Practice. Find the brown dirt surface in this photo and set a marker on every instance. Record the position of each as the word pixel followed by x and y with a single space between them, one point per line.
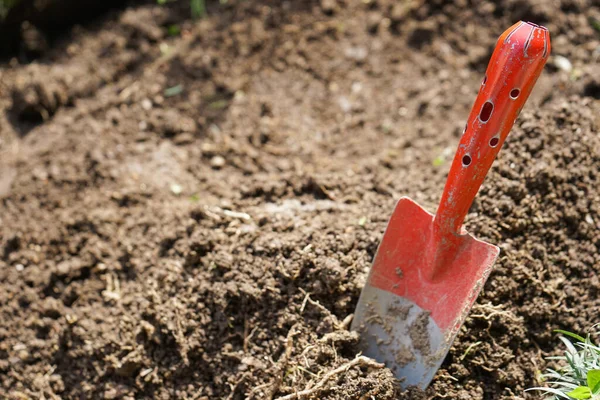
pixel 193 216
pixel 419 333
pixel 403 356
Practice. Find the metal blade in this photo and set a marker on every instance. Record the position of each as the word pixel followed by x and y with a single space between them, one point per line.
pixel 407 316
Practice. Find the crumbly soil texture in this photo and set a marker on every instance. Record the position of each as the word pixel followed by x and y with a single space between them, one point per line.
pixel 189 208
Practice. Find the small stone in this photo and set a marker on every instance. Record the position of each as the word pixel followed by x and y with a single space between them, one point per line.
pixel 208 148
pixel 562 63
pixel 328 6
pixel 111 393
pixel 71 319
pixel 51 308
pixel 176 189
pixel 147 104
pixel 399 12
pixel 373 21
pixel 63 268
pixel 357 54
pixel 589 219
pixel 345 104
pixel 19 347
pixel 19 267
pixel 23 355
pixel 217 162
pixel 357 87
pixel 253 362
pixel 184 138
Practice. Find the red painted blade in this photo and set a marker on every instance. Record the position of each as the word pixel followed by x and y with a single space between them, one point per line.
pixel 428 271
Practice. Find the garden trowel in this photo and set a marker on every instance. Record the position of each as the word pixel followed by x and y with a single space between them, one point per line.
pixel 428 270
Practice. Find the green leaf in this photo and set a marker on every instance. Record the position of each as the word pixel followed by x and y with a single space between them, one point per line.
pixel 570 334
pixel 173 30
pixel 581 392
pixel 594 23
pixel 439 161
pixel 218 105
pixel 173 91
pixel 593 380
pixel 198 8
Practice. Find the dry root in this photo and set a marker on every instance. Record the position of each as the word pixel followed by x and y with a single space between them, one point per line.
pixel 361 360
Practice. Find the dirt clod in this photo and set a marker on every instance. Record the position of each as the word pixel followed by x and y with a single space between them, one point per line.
pixel 400 312
pixel 404 356
pixel 419 333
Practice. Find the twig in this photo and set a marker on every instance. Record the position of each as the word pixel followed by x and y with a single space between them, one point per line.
pixel 360 360
pixel 321 307
pixel 248 336
pixel 448 376
pixel 259 387
pixel 471 347
pixel 346 322
pixel 282 363
pixel 493 311
pixel 234 388
pixel 306 297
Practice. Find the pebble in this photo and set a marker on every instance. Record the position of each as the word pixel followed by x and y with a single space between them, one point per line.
pixel 589 219
pixel 345 104
pixel 176 189
pixel 147 104
pixel 356 53
pixel 373 21
pixel 328 6
pixel 399 12
pixel 217 162
pixel 562 63
pixel 184 138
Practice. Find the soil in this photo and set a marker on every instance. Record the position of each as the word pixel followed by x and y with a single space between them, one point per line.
pixel 419 335
pixel 191 212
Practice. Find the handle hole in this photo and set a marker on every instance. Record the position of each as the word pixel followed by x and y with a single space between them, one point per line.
pixel 494 141
pixel 466 160
pixel 486 111
pixel 514 93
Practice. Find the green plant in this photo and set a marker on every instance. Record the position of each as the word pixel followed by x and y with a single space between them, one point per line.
pixel 594 23
pixel 5 6
pixel 579 378
pixel 173 30
pixel 198 8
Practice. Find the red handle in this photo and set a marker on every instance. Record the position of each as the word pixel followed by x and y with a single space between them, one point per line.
pixel 518 59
